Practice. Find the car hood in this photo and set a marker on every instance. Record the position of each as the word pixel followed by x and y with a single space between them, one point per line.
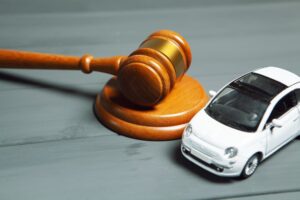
pixel 217 134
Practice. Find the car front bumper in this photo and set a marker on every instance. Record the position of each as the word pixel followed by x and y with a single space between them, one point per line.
pixel 218 166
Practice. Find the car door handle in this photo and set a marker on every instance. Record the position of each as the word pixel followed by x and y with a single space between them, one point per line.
pixel 295 119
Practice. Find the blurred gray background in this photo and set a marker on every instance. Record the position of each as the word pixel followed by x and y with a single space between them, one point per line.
pixel 53 147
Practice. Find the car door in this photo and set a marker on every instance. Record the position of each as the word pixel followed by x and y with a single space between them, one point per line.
pixel 297 92
pixel 287 112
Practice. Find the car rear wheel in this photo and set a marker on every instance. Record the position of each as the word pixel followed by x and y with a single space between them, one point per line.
pixel 250 166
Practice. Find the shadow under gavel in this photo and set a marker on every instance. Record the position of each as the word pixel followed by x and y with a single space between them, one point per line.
pixel 142 80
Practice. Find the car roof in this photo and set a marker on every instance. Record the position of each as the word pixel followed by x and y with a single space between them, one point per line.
pixel 278 74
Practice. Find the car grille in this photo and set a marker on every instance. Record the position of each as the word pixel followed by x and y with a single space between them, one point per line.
pixel 204 150
pixel 212 166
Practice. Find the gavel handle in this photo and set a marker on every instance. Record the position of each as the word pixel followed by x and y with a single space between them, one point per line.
pixel 32 60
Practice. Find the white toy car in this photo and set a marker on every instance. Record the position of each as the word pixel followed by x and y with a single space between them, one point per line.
pixel 245 122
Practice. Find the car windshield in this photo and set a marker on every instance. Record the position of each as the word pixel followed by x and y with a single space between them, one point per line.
pixel 242 104
pixel 269 88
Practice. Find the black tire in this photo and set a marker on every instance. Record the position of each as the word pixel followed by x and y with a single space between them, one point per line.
pixel 250 166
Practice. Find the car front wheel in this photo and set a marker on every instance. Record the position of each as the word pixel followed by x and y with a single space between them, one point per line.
pixel 251 166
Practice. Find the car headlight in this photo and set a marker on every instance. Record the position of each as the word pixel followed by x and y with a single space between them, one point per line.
pixel 188 130
pixel 231 152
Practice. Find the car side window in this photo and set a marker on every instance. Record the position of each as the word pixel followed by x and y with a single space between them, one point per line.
pixel 284 105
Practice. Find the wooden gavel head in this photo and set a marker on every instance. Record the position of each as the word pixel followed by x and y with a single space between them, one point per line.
pixel 150 72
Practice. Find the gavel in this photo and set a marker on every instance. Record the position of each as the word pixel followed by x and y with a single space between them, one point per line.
pixel 145 77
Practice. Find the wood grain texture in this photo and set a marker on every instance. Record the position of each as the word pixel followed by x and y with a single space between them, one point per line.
pixel 53 147
pixel 164 121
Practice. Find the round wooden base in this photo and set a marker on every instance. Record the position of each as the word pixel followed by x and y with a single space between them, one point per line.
pixel 165 121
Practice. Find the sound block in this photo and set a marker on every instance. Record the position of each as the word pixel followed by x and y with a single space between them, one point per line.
pixel 165 121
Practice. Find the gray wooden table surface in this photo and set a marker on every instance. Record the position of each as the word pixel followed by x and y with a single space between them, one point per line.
pixel 52 146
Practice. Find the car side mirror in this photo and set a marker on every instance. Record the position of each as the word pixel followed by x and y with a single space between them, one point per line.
pixel 212 93
pixel 277 123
